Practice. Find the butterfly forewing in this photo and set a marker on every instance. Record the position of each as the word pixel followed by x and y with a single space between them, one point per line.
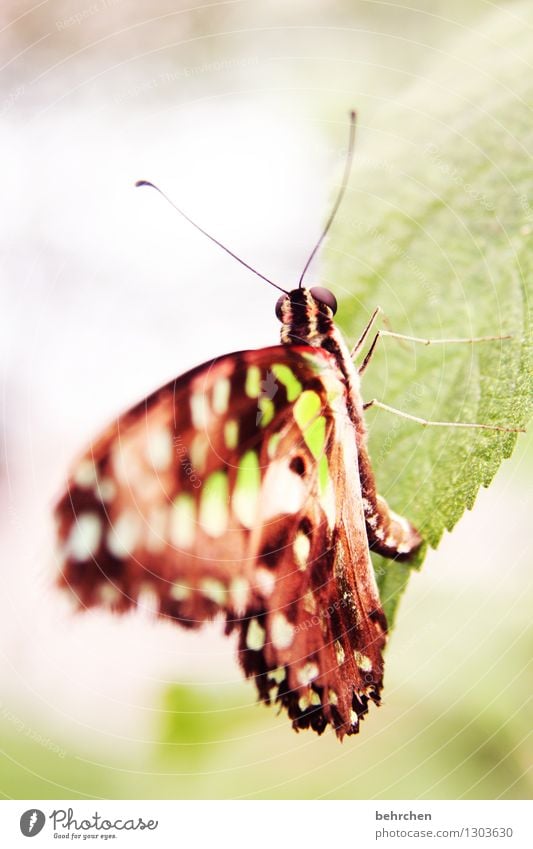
pixel 234 489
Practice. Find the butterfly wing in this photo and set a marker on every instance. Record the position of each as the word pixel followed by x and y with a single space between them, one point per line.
pixel 235 489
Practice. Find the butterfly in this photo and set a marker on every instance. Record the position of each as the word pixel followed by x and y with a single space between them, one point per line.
pixel 244 489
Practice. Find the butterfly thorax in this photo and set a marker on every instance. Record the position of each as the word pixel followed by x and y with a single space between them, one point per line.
pixel 307 321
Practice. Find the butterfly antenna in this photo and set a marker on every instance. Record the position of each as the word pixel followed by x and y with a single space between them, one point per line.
pixel 346 175
pixel 224 248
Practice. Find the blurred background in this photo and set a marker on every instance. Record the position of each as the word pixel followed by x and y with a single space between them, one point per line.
pixel 238 109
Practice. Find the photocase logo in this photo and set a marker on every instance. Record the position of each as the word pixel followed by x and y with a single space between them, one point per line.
pixel 32 822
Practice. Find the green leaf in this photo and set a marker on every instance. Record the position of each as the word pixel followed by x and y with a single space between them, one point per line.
pixel 437 229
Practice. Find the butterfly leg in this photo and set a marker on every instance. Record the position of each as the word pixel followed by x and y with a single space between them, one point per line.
pixel 428 423
pixel 419 340
pixel 361 341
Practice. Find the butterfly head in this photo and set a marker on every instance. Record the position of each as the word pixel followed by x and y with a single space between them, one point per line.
pixel 306 315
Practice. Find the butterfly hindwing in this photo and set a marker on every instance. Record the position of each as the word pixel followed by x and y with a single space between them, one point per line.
pixel 234 489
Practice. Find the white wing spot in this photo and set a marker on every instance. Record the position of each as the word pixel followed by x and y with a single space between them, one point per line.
pixel 277 675
pixel 85 474
pixel 221 393
pixel 282 631
pixel 85 536
pixel 239 591
pixel 199 410
pixel 179 592
pixel 363 661
pixel 307 673
pixel 125 534
pixel 303 703
pixel 105 489
pixel 282 491
pixel 301 548
pixel 213 590
pixel 266 581
pixel 255 636
pixel 339 652
pixel 159 448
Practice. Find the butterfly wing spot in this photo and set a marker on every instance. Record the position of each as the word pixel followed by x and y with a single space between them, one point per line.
pixel 252 385
pixel 198 452
pixel 105 490
pixel 214 504
pixel 200 413
pixel 297 465
pixel 239 594
pixel 84 538
pixel 157 529
pixel 221 396
pixel 247 489
pixel 332 696
pixel 108 595
pixel 285 375
pixel 306 408
pixel 266 411
pixel 309 603
pixel 281 631
pixel 124 534
pixel 214 590
pixel 183 521
pixel 255 635
pixel 180 592
pixel 339 652
pixel 363 661
pixel 265 580
pixel 272 445
pixel 231 434
pixel 282 491
pixel 301 548
pixel 85 475
pixel 159 448
pixel 307 673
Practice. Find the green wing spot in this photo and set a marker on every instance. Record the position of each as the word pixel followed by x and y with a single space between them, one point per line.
pixel 272 446
pixel 286 376
pixel 252 387
pixel 214 504
pixel 182 521
pixel 323 474
pixel 231 434
pixel 315 437
pixel 247 489
pixel 307 407
pixel 267 410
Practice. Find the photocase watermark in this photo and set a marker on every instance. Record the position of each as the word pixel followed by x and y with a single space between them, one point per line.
pixel 456 177
pixel 185 462
pixel 85 13
pixel 418 275
pixel 415 392
pixel 32 822
pixel 23 728
pixel 315 619
pixel 11 98
pixel 268 388
pixel 185 72
pixel 65 824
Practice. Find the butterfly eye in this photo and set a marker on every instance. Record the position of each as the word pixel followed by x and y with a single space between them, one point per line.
pixel 324 296
pixel 281 300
